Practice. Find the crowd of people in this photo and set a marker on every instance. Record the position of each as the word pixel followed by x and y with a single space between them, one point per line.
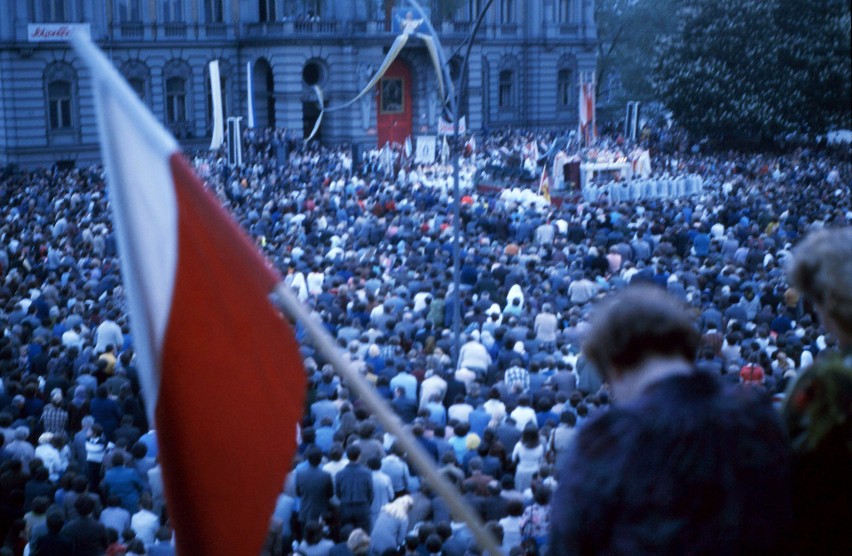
pixel 369 250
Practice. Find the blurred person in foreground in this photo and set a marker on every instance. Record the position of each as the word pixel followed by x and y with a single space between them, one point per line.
pixel 818 406
pixel 678 465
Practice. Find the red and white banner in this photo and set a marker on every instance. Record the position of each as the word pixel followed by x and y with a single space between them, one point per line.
pixel 446 128
pixel 220 368
pixel 56 32
pixel 588 128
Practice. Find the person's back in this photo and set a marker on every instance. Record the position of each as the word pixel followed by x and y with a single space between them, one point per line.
pixel 53 542
pixel 678 464
pixel 88 536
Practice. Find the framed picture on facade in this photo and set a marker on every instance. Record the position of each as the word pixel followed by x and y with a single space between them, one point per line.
pixel 392 98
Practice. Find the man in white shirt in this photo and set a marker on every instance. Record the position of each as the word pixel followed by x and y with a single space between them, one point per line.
pixel 145 522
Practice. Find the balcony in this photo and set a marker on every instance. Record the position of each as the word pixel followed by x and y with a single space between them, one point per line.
pixel 132 30
pixel 314 27
pixel 569 29
pixel 216 30
pixel 174 30
pixel 509 29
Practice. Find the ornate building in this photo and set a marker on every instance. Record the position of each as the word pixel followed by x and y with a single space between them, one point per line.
pixel 523 69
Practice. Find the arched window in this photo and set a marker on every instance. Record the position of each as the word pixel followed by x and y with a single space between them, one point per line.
pixel 59 105
pixel 177 77
pixel 506 91
pixel 139 78
pixel 175 100
pixel 563 89
pixel 60 88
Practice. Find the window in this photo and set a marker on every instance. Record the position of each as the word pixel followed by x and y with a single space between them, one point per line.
pixel 175 100
pixel 59 105
pixel 138 86
pixel 138 77
pixel 53 11
pixel 507 11
pixel 505 99
pixel 172 11
pixel 214 11
pixel 474 7
pixel 563 14
pixel 563 88
pixel 266 10
pixel 129 11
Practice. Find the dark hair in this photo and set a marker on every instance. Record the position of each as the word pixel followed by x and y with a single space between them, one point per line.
pixel 641 322
pixel 353 452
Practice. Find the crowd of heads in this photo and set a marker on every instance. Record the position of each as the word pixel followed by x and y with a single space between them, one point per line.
pixel 369 248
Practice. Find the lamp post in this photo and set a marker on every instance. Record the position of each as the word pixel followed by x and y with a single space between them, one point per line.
pixel 454 99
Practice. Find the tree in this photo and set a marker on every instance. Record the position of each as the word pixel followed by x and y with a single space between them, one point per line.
pixel 628 31
pixel 816 54
pixel 747 72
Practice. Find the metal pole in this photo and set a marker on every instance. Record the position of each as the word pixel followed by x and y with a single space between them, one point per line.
pixel 454 99
pixel 325 345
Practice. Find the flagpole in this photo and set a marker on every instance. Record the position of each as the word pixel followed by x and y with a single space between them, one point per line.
pixel 326 346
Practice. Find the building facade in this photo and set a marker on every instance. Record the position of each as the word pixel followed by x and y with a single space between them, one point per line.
pixel 523 69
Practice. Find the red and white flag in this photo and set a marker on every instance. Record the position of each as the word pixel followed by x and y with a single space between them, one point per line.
pixel 544 185
pixel 220 368
pixel 588 128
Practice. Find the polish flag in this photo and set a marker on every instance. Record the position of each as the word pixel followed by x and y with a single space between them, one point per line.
pixel 219 366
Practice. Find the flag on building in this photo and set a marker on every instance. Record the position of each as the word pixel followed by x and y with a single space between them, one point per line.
pixel 470 146
pixel 544 185
pixel 220 368
pixel 588 129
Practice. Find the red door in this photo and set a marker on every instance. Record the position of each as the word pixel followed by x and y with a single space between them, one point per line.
pixel 393 108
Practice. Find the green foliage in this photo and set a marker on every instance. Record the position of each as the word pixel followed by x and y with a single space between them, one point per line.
pixel 749 71
pixel 628 31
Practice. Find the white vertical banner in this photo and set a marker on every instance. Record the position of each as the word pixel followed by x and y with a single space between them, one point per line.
pixel 250 93
pixel 216 95
pixel 425 149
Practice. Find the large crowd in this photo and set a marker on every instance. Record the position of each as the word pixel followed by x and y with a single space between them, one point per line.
pixel 369 249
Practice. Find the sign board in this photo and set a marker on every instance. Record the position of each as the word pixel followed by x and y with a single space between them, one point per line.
pixel 56 32
pixel 446 128
pixel 425 149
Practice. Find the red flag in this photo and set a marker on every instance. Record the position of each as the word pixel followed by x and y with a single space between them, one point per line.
pixel 544 185
pixel 220 368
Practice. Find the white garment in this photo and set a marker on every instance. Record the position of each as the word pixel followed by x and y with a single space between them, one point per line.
pixel 145 524
pixel 523 415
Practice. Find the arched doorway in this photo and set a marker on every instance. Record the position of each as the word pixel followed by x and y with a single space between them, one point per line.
pixel 263 91
pixel 393 104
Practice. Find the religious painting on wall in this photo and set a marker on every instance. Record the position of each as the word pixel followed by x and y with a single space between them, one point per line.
pixel 391 95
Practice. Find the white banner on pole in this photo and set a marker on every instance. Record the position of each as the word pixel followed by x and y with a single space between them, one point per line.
pixel 218 118
pixel 425 149
pixel 250 96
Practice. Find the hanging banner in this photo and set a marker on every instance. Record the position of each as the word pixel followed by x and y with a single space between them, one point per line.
pixel 216 95
pixel 425 149
pixel 250 96
pixel 56 32
pixel 446 128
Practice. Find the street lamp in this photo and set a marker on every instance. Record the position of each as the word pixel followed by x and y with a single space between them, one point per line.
pixel 454 100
